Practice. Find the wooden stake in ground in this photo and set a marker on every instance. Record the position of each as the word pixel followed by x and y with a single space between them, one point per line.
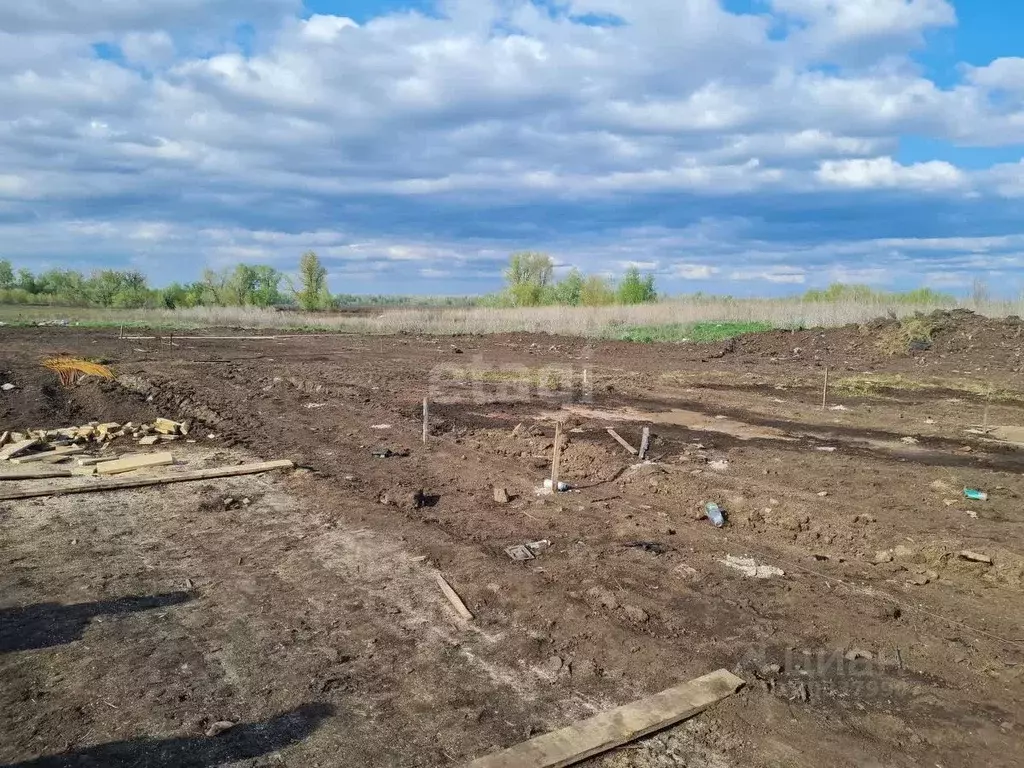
pixel 824 391
pixel 453 598
pixel 601 733
pixel 426 419
pixel 645 443
pixel 556 459
pixel 144 482
pixel 622 442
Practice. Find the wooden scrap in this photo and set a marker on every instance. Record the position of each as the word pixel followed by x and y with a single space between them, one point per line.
pixel 91 461
pixel 166 426
pixel 151 480
pixel 645 443
pixel 35 473
pixel 17 437
pixel 609 730
pixel 151 440
pixel 622 442
pixel 16 448
pixel 5 438
pixel 56 453
pixel 83 471
pixel 118 466
pixel 453 598
pixel 168 438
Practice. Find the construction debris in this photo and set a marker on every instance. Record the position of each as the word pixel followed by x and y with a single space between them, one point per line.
pixel 150 480
pixel 58 454
pixel 751 568
pixel 17 448
pixel 94 433
pixel 118 466
pixel 453 598
pixel 520 553
pixel 622 442
pixel 614 728
pixel 7 387
pixel 976 557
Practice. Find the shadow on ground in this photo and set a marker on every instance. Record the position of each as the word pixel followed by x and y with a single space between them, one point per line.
pixel 46 625
pixel 243 742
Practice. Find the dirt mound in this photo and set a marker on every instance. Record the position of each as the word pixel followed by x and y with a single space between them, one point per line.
pixel 38 400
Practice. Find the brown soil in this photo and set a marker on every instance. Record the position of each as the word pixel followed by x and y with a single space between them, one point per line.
pixel 308 617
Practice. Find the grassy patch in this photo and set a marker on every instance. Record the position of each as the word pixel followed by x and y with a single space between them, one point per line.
pixel 699 332
pixel 880 383
pixel 915 331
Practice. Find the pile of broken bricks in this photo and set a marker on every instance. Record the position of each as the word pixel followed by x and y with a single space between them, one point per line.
pixel 56 446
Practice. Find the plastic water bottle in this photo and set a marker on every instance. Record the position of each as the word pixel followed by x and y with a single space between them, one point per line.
pixel 714 513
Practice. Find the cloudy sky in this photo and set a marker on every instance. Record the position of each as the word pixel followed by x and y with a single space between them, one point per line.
pixel 741 146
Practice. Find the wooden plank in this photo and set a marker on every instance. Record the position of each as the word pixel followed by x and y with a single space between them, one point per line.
pixel 453 598
pixel 144 482
pixel 117 466
pixel 620 726
pixel 57 453
pixel 91 461
pixel 16 448
pixel 622 442
pixel 166 426
pixel 556 459
pixel 5 438
pixel 645 443
pixel 35 473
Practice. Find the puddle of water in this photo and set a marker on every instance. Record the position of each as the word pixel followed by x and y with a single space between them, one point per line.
pixel 679 417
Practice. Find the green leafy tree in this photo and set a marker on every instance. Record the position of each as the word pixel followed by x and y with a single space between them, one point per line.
pixel 528 275
pixel 26 281
pixel 6 275
pixel 266 287
pixel 312 293
pixel 596 292
pixel 569 290
pixel 636 288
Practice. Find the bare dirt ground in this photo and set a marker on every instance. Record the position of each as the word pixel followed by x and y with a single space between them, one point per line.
pixel 308 617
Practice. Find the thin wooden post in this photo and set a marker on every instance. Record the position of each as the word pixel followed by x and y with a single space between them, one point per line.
pixel 824 391
pixel 426 419
pixel 645 443
pixel 121 337
pixel 556 460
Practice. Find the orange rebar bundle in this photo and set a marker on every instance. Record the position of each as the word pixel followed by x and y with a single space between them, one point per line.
pixel 69 368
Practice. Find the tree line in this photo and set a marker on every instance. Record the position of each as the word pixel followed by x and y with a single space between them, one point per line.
pixel 529 282
pixel 245 285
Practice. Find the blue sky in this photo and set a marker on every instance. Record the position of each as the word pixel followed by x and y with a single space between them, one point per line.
pixel 739 146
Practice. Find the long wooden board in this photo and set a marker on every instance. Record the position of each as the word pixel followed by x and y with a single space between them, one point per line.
pixel 620 726
pixel 144 482
pixel 34 473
